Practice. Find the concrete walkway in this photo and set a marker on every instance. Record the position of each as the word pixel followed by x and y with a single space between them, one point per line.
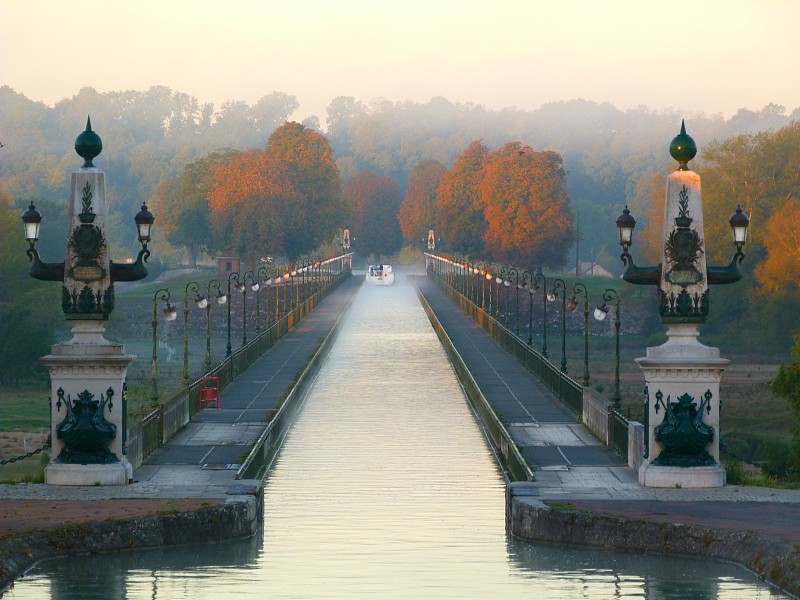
pixel 200 462
pixel 569 464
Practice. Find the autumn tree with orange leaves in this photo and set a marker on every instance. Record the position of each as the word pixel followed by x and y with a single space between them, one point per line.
pixel 250 200
pixel 418 210
pixel 459 204
pixel 318 209
pixel 373 201
pixel 285 199
pixel 780 272
pixel 529 220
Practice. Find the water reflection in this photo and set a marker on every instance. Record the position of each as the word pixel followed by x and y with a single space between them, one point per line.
pixel 385 488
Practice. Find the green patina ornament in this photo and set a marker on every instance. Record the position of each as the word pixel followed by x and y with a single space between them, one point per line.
pixel 86 215
pixel 85 432
pixel 88 145
pixel 683 148
pixel 683 434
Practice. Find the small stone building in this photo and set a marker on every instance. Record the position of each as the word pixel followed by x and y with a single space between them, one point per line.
pixel 227 265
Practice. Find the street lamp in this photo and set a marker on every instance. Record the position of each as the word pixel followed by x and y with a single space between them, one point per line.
pixel 286 276
pixel 499 279
pixel 267 283
pixel 303 270
pixel 507 283
pixel 87 275
pixel 552 295
pixel 600 314
pixel 527 282
pixel 89 262
pixel 170 314
pixel 200 302
pixel 261 276
pixel 572 303
pixel 276 279
pixel 239 288
pixel 538 279
pixel 253 284
pixel 221 298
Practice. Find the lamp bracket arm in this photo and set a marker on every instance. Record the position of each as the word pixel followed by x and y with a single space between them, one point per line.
pixel 729 274
pixel 640 275
pixel 131 272
pixel 44 271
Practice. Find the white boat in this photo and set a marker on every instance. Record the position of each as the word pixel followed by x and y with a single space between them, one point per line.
pixel 380 275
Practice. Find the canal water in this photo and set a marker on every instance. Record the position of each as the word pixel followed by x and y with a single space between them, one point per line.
pixel 385 488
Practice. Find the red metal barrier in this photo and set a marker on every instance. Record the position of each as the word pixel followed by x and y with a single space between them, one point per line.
pixel 209 391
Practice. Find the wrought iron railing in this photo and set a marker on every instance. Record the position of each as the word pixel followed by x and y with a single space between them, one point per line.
pixel 163 422
pixel 618 432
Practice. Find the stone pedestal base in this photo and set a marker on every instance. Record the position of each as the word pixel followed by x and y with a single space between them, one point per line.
pixel 89 363
pixel 113 474
pixel 681 477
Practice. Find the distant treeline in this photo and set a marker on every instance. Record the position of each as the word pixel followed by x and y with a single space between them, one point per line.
pixel 610 158
pixel 151 135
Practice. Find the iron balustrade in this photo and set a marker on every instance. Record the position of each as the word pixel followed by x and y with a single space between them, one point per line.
pixel 618 432
pixel 164 422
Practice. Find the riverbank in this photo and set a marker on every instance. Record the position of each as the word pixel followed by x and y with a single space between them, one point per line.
pixel 761 536
pixel 34 530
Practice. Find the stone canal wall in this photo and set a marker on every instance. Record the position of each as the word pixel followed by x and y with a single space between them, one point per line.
pixel 237 517
pixel 773 560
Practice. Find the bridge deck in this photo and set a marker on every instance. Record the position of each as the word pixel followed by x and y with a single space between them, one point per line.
pixel 572 468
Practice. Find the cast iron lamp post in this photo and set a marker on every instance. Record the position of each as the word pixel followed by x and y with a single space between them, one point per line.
pixel 683 250
pixel 507 283
pixel 253 284
pixel 490 278
pixel 295 288
pixel 170 314
pixel 471 271
pixel 286 276
pixel 537 279
pixel 318 277
pixel 267 283
pixel 476 277
pixel 91 449
pixel 276 279
pixel 600 314
pixel 499 278
pixel 200 302
pixel 552 296
pixel 527 282
pixel 572 303
pixel 221 298
pixel 482 274
pixel 303 270
pixel 88 145
pixel 239 288
pixel 261 276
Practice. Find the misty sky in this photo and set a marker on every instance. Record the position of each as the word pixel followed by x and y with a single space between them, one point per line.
pixel 702 56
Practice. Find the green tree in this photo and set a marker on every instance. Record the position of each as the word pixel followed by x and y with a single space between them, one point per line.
pixel 786 385
pixel 29 309
pixel 373 201
pixel 181 205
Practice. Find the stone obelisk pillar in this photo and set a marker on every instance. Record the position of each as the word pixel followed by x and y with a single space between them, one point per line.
pixel 682 375
pixel 87 373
